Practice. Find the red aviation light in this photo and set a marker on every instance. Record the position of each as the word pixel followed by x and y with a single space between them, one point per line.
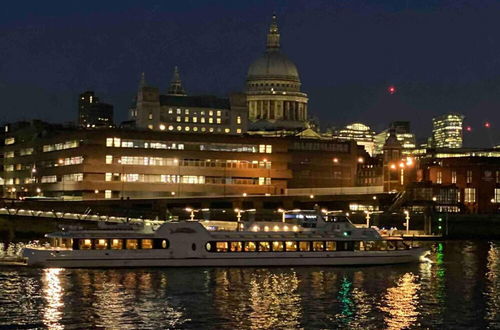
pixel 468 129
pixel 391 90
pixel 487 125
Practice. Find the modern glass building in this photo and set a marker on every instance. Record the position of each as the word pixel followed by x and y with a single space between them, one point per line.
pixel 447 131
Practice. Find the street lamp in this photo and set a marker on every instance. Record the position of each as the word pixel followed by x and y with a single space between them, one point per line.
pixel 407 217
pixel 193 211
pixel 239 225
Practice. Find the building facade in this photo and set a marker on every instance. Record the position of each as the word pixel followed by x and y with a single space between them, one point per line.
pixel 477 178
pixel 360 133
pixel 447 131
pixel 274 98
pixel 402 131
pixel 175 111
pixel 43 160
pixel 93 113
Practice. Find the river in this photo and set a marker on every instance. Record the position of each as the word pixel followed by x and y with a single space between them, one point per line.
pixel 460 289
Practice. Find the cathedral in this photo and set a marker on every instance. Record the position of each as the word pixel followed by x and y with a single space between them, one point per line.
pixel 274 99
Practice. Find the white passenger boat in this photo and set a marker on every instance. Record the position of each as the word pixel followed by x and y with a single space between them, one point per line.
pixel 326 241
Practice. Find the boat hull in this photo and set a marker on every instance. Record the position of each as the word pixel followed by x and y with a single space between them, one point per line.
pixel 114 259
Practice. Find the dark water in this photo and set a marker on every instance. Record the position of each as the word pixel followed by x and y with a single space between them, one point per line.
pixel 461 289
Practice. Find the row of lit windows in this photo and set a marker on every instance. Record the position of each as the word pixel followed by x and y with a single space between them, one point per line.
pixel 303 246
pixel 202 112
pixel 185 179
pixel 229 147
pixel 113 244
pixel 179 128
pixel 73 177
pixel 161 161
pixel 61 146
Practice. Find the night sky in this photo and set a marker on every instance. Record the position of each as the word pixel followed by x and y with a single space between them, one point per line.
pixel 442 56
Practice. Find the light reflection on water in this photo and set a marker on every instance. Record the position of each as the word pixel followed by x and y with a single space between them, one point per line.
pixel 460 289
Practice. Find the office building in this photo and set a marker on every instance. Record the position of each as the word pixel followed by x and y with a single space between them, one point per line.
pixel 447 131
pixel 360 133
pixel 93 113
pixel 114 163
pixel 402 132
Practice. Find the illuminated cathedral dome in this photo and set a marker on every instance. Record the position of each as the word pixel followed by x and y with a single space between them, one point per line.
pixel 273 88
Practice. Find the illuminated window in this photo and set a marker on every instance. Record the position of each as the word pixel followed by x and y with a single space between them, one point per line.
pixel 10 140
pixel 150 116
pixel 203 129
pixel 210 120
pixel 498 176
pixel 101 244
pixel 108 194
pixel 150 126
pixel 219 113
pixel 211 129
pixel 439 178
pixel 109 159
pixel 108 176
pixel 219 120
pixel 227 130
pixel 116 244
pixel 330 246
pixel 291 246
pixel 210 113
pixel 195 119
pixel 496 199
pixel 469 195
pixel 195 129
pixel 178 111
pixel 278 246
pixel 304 246
pixel 250 247
pixel 178 119
pixel 236 247
pixel 238 120
pixel 170 111
pixel 147 244
pixel 238 130
pixel 221 246
pixel 453 176
pixel 469 176
pixel 186 119
pixel 170 128
pixel 187 128
pixel 85 244
pixel 264 246
pixel 186 112
pixel 132 244
pixel 318 246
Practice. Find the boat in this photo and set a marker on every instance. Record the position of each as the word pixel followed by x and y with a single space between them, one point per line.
pixel 310 239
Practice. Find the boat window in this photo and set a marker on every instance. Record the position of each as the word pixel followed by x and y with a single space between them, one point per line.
pixel 370 246
pixel 278 246
pixel 85 244
pixel 345 246
pixel 236 246
pixel 330 246
pixel 101 244
pixel 264 246
pixel 391 246
pixel 304 246
pixel 147 244
pixel 382 245
pixel 132 244
pixel 208 246
pixel 193 247
pixel 250 247
pixel 359 246
pixel 116 244
pixel 318 246
pixel 291 246
pixel 164 244
pixel 221 246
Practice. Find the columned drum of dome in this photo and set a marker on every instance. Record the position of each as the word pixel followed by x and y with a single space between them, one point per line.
pixel 273 88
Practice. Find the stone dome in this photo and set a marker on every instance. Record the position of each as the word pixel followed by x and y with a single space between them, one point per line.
pixel 273 65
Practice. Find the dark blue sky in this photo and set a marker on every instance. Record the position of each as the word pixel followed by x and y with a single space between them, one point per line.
pixel 442 56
